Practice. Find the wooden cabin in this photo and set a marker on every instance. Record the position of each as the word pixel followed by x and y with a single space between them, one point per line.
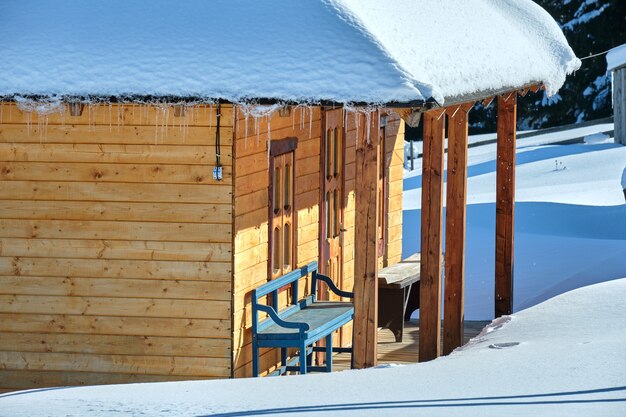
pixel 144 192
pixel 124 260
pixel 616 60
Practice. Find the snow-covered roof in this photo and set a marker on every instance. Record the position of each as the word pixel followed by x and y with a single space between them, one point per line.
pixel 616 57
pixel 311 50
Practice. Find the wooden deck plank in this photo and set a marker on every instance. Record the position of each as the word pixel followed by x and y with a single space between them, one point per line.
pixel 405 352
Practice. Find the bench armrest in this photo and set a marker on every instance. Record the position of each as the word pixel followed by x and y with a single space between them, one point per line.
pixel 330 284
pixel 302 327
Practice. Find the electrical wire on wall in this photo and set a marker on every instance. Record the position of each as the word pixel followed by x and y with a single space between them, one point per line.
pixel 217 171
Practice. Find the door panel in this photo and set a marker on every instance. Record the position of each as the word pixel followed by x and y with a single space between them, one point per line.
pixel 331 220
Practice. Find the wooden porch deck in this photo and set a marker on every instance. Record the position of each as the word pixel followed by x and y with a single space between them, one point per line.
pixel 389 351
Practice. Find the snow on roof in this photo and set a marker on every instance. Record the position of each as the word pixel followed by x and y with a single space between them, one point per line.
pixel 337 50
pixel 616 57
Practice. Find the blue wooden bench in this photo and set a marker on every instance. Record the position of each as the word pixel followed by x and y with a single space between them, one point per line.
pixel 299 325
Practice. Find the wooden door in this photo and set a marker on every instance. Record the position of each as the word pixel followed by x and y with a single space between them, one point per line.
pixel 331 219
pixel 281 211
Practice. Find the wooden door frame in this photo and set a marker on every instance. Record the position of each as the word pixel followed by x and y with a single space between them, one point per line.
pixel 278 148
pixel 322 217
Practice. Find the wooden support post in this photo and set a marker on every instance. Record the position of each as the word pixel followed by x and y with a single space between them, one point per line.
pixel 505 203
pixel 366 250
pixel 432 211
pixel 455 228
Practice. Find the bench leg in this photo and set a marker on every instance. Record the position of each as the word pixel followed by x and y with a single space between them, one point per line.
pixel 329 353
pixel 413 301
pixel 255 358
pixel 283 356
pixel 391 302
pixel 309 357
pixel 303 359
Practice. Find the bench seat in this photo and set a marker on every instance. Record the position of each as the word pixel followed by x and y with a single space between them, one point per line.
pixel 322 317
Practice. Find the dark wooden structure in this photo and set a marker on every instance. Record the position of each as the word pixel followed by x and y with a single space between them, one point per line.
pixel 398 294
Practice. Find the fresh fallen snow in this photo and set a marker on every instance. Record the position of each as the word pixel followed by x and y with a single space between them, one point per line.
pixel 570 219
pixel 340 50
pixel 616 57
pixel 526 138
pixel 564 357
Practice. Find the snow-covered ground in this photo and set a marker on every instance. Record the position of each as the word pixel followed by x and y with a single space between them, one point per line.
pixel 570 218
pixel 564 357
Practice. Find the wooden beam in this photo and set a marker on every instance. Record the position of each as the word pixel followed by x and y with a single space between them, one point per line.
pixel 366 249
pixel 486 102
pixel 432 208
pixel 505 204
pixel 455 229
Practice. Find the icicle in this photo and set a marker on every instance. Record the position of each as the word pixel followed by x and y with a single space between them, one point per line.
pixel 45 132
pixel 269 140
pixel 356 122
pixel 210 114
pixel 246 124
pixel 156 127
pixel 256 128
pixel 310 120
pixel 269 128
pixel 368 120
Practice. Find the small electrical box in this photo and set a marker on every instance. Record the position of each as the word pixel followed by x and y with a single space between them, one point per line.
pixel 217 173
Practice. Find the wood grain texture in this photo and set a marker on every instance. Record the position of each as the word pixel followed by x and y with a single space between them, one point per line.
pixel 112 325
pixel 505 204
pixel 115 344
pixel 127 364
pixel 116 242
pixel 156 116
pixel 431 236
pixel 455 228
pixel 146 250
pixel 220 213
pixel 104 134
pixel 22 379
pixel 366 254
pixel 251 197
pixel 113 154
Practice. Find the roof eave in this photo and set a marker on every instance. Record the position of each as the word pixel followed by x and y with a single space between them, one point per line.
pixel 414 104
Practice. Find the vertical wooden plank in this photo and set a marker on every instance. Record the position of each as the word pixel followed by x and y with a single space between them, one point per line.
pixel 505 203
pixel 455 228
pixel 432 208
pixel 365 249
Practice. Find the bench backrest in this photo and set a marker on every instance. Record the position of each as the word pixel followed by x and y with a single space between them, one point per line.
pixel 273 286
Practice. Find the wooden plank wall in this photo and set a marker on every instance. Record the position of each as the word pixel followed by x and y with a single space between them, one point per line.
pixel 251 208
pixel 115 246
pixel 251 213
pixel 394 164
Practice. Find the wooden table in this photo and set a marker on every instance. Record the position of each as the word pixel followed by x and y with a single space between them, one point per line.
pixel 398 294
